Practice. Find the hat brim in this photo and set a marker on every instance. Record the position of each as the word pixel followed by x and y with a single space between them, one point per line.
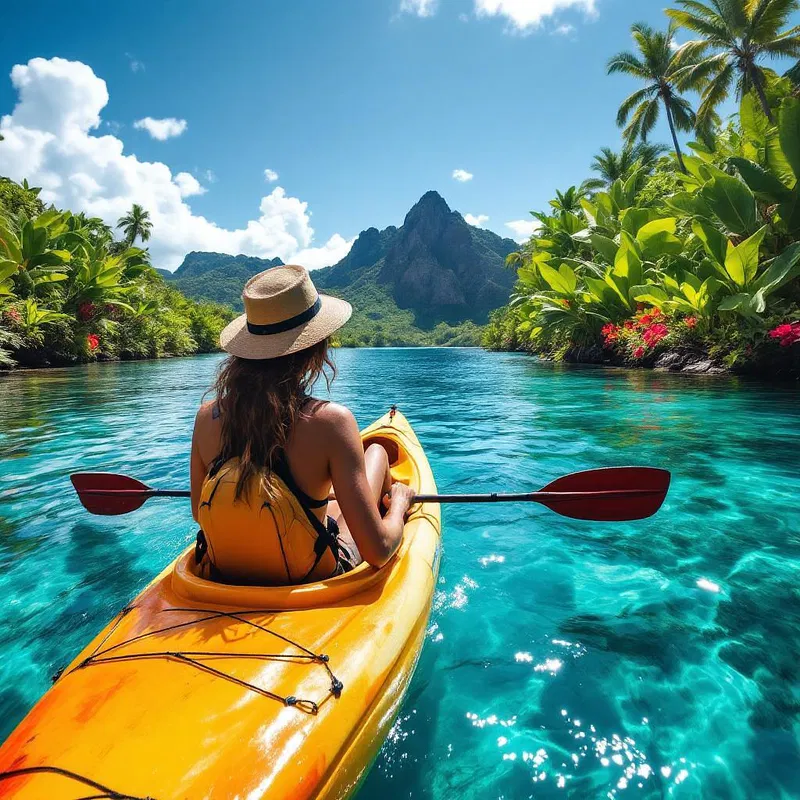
pixel 238 341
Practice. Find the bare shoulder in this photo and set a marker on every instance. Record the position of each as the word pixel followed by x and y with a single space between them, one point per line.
pixel 206 412
pixel 333 420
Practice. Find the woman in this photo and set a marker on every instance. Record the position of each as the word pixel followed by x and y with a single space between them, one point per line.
pixel 264 449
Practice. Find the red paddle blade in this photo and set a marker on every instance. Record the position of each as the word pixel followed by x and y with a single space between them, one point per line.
pixel 614 494
pixel 107 494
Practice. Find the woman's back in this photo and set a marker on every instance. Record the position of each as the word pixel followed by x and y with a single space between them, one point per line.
pixel 265 454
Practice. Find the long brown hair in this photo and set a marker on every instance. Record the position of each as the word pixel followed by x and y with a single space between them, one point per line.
pixel 260 401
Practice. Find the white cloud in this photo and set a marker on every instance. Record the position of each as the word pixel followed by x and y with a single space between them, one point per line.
pixel 188 184
pixel 462 176
pixel 478 220
pixel 211 176
pixel 422 8
pixel 525 15
pixel 564 30
pixel 161 129
pixel 524 228
pixel 270 176
pixel 50 139
pixel 134 63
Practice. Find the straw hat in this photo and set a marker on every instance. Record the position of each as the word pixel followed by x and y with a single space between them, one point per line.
pixel 284 313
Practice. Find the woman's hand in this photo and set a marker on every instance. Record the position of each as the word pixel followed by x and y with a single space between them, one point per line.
pixel 400 499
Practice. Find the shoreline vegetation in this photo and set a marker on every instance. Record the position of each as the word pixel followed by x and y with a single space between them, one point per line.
pixel 671 259
pixel 71 293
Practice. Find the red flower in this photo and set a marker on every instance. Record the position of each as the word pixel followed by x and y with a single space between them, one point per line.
pixel 629 325
pixel 656 312
pixel 691 322
pixel 654 334
pixel 86 311
pixel 788 333
pixel 93 341
pixel 646 319
pixel 565 303
pixel 610 332
pixel 638 352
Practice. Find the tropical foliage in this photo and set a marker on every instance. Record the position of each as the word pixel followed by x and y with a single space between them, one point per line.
pixel 69 292
pixel 698 253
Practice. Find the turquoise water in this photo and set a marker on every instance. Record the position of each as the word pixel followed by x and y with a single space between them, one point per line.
pixel 564 658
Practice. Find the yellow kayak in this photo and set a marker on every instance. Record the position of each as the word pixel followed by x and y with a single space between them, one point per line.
pixel 203 690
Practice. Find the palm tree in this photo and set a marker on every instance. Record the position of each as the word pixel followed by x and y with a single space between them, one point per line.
pixel 136 224
pixel 658 64
pixel 619 166
pixel 569 201
pixel 743 32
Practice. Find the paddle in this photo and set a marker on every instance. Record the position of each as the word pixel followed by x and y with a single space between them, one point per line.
pixel 614 494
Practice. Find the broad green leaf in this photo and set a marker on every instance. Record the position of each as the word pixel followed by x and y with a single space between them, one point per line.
pixel 9 245
pixel 620 287
pixel 607 248
pixel 635 218
pixel 657 238
pixel 50 277
pixel 776 161
pixel 562 280
pixel 765 185
pixel 627 263
pixel 571 223
pixel 692 280
pixel 789 214
pixel 741 263
pixel 732 203
pixel 789 132
pixel 734 302
pixel 648 293
pixel 688 205
pixel 599 289
pixel 754 122
pixel 528 276
pixel 7 268
pixel 50 258
pixel 590 210
pixel 715 243
pixel 689 292
pixel 784 268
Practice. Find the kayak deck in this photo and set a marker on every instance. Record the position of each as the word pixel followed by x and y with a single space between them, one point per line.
pixel 200 689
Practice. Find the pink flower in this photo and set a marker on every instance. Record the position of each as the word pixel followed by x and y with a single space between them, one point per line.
pixel 638 352
pixel 654 334
pixel 691 322
pixel 93 341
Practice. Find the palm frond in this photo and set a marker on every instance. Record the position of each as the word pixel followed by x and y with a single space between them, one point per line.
pixel 787 46
pixel 633 100
pixel 695 77
pixel 715 32
pixel 682 114
pixel 717 91
pixel 767 17
pixel 628 64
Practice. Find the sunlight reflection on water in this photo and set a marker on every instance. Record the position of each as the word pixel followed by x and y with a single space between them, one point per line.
pixel 563 658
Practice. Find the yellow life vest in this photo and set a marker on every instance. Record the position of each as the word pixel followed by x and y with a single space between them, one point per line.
pixel 264 540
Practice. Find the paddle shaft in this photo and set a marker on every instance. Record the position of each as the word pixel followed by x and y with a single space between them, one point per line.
pixel 530 497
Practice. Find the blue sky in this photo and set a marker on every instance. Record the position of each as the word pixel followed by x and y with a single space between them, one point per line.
pixel 359 106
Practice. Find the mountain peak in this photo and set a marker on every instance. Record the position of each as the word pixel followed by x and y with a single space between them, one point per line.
pixel 431 207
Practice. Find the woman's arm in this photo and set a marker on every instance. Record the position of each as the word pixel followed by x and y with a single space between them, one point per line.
pixel 377 538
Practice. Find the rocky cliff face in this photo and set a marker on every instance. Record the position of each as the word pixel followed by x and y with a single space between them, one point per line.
pixel 436 265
